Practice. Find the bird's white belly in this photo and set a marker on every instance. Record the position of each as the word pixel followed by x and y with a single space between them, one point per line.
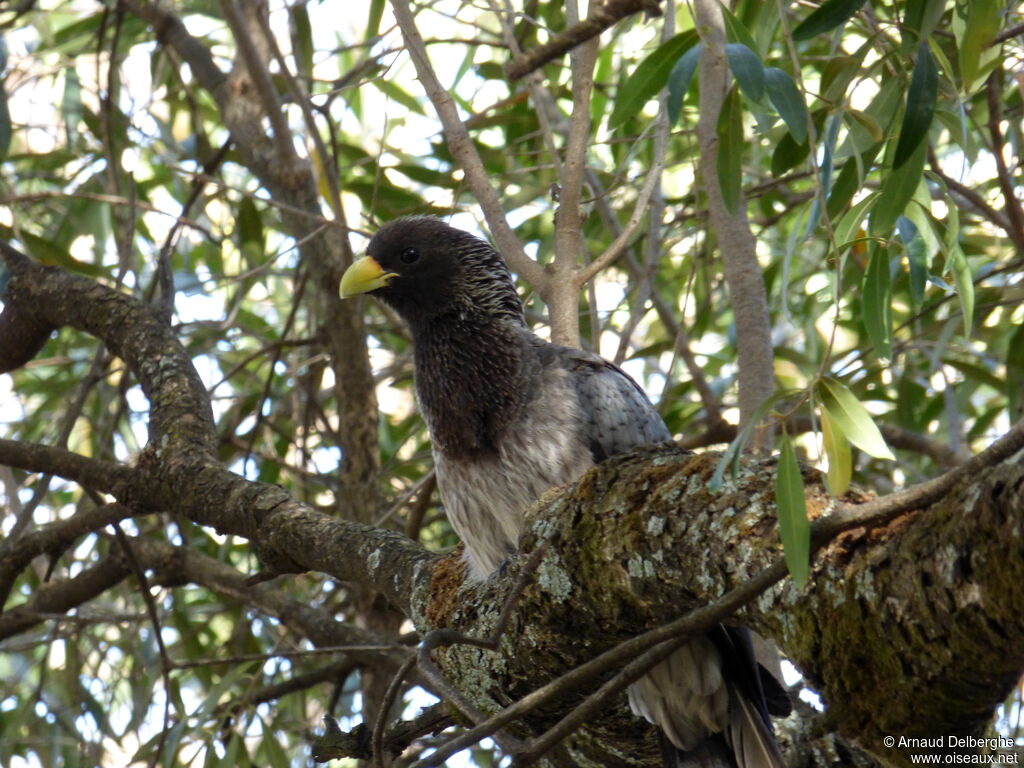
pixel 486 498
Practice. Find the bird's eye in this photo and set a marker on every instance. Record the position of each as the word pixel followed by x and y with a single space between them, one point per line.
pixel 409 256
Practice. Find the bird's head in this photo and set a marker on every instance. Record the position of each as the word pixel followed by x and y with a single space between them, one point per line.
pixel 424 268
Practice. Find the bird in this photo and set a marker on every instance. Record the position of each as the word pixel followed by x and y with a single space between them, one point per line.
pixel 511 416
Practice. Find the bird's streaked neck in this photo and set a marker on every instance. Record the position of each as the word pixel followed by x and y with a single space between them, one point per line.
pixel 469 378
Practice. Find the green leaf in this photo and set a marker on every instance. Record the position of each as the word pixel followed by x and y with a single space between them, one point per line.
pixel 747 69
pixel 840 461
pixel 373 20
pixel 6 130
pixel 920 18
pixel 917 257
pixel 897 190
pixel 735 30
pixel 679 81
pixel 791 506
pixel 730 458
pixel 730 150
pixel 270 749
pixel 828 15
pixel 864 123
pixel 917 119
pixel 849 416
pixel 788 154
pixel 980 28
pixel 848 228
pixel 957 262
pixel 71 105
pixel 650 76
pixel 877 297
pixel 1015 373
pixel 249 228
pixel 837 75
pixel 302 38
pixel 850 179
pixel 785 97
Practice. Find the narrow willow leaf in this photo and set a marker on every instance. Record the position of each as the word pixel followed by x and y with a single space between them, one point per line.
pixel 302 38
pixel 824 172
pixel 747 69
pixel 6 130
pixel 920 212
pixel 957 262
pixel 851 418
pixel 917 119
pixel 788 154
pixel 917 257
pixel 730 150
pixel 730 459
pixel 249 228
pixel 791 506
pixel 870 126
pixel 840 459
pixel 850 179
pixel 974 43
pixel 786 98
pixel 735 30
pixel 897 190
pixel 877 300
pixel 828 15
pixel 837 75
pixel 679 80
pixel 71 105
pixel 848 229
pixel 649 77
pixel 373 20
pixel 919 20
pixel 1015 373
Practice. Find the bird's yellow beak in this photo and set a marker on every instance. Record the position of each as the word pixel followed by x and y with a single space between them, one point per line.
pixel 363 276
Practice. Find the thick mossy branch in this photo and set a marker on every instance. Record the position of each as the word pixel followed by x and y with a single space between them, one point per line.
pixel 916 628
pixel 179 469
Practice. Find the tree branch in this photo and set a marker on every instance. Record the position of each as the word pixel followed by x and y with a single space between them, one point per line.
pixel 461 146
pixel 179 463
pixel 743 275
pixel 615 548
pixel 62 596
pixel 52 539
pixel 597 21
pixel 92 473
pixel 1011 203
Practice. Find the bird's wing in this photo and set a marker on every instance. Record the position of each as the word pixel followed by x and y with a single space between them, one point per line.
pixel 618 414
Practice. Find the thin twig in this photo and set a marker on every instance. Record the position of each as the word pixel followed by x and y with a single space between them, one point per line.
pixel 154 617
pixel 387 701
pixel 461 146
pixel 302 99
pixel 255 65
pixel 619 245
pixel 597 21
pixel 443 637
pixel 1012 204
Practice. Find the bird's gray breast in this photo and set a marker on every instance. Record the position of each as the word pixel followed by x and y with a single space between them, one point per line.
pixel 486 496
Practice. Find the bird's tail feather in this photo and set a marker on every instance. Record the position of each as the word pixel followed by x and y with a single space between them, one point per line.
pixel 712 752
pixel 753 744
